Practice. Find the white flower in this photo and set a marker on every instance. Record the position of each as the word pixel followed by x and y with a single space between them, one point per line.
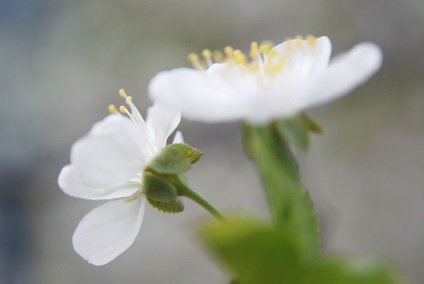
pixel 108 164
pixel 272 82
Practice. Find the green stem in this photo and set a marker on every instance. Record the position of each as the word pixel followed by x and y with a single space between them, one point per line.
pixel 186 191
pixel 290 205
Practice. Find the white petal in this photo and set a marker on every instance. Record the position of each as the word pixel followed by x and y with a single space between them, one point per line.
pixel 72 186
pixel 304 59
pixel 345 72
pixel 162 121
pixel 200 95
pixel 108 230
pixel 111 154
pixel 178 138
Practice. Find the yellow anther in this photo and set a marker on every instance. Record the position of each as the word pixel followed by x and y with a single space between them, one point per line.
pixel 252 67
pixel 266 46
pixel 207 54
pixel 217 56
pixel 122 93
pixel 311 39
pixel 262 57
pixel 272 52
pixel 254 49
pixel 123 109
pixel 289 45
pixel 299 40
pixel 111 109
pixel 128 99
pixel 280 63
pixel 228 51
pixel 193 58
pixel 239 57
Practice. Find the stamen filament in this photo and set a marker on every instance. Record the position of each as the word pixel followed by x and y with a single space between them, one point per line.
pixel 194 60
pixel 207 55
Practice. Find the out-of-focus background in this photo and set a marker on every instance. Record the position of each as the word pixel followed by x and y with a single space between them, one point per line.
pixel 62 63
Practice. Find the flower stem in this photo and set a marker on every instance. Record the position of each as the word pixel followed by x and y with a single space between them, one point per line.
pixel 290 205
pixel 186 191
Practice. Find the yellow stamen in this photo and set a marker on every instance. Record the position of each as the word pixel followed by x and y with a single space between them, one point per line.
pixel 272 52
pixel 279 65
pixel 254 49
pixel 193 58
pixel 262 58
pixel 111 109
pixel 228 51
pixel 266 46
pixel 217 56
pixel 123 109
pixel 128 99
pixel 289 45
pixel 207 54
pixel 122 93
pixel 299 40
pixel 311 39
pixel 252 66
pixel 239 57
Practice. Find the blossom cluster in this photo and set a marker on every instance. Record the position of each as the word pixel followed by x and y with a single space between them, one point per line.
pixel 267 83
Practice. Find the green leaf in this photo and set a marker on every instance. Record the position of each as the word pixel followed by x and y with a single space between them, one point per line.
pixel 290 205
pixel 350 271
pixel 157 188
pixel 259 253
pixel 175 159
pixel 255 252
pixel 296 130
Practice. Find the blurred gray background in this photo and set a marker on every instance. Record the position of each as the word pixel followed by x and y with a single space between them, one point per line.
pixel 62 63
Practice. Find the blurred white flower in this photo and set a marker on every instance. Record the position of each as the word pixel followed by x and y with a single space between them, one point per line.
pixel 108 164
pixel 269 83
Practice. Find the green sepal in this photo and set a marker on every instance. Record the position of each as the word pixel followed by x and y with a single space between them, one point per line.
pixel 157 188
pixel 350 271
pixel 295 130
pixel 175 159
pixel 254 252
pixel 313 125
pixel 174 206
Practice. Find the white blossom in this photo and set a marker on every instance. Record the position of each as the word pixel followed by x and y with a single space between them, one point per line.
pixel 107 164
pixel 270 82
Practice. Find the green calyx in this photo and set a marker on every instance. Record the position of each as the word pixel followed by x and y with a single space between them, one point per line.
pixel 157 188
pixel 175 159
pixel 161 194
pixel 161 180
pixel 295 130
pixel 164 180
pixel 174 206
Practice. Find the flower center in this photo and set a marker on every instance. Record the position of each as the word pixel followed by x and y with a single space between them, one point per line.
pixel 263 59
